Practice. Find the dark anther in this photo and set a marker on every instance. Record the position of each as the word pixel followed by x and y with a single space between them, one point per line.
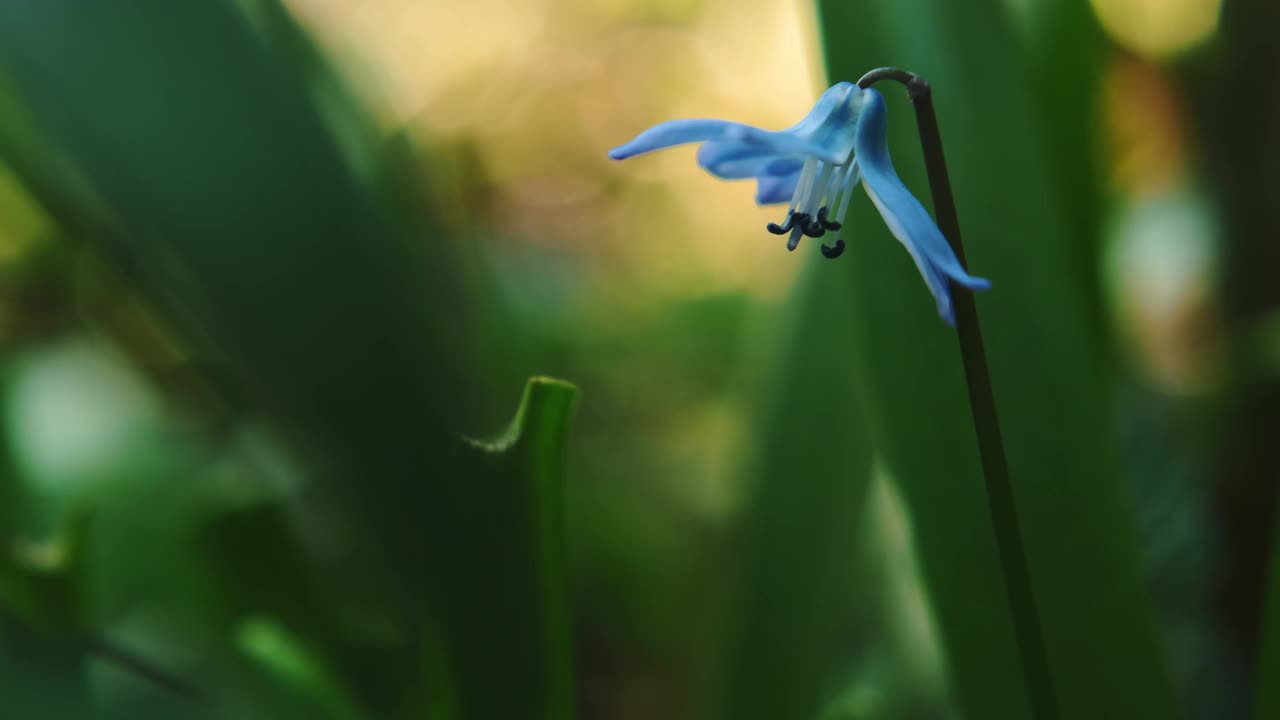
pixel 793 241
pixel 777 229
pixel 831 253
pixel 813 228
pixel 793 219
pixel 822 218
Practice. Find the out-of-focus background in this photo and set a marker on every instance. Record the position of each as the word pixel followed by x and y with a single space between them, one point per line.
pixel 274 276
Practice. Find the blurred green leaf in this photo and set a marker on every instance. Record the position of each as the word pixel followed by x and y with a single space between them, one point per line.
pixel 289 659
pixel 43 582
pixel 307 620
pixel 251 200
pixel 240 207
pixel 42 624
pixel 1046 363
pixel 1267 692
pixel 500 598
pixel 798 595
pixel 216 159
pixel 1234 107
pixel 42 678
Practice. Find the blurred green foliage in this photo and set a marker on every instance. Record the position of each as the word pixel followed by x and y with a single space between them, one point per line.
pixel 218 164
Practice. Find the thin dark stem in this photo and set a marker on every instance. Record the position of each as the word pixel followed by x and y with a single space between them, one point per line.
pixel 144 669
pixel 1004 513
pixel 124 660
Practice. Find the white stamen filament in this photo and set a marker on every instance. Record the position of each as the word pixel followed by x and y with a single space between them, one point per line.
pixel 846 190
pixel 833 185
pixel 820 185
pixel 806 177
pixel 814 194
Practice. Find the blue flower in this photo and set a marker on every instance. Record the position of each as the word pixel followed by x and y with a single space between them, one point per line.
pixel 817 163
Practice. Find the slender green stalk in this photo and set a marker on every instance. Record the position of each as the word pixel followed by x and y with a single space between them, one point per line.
pixel 121 658
pixel 134 664
pixel 1004 514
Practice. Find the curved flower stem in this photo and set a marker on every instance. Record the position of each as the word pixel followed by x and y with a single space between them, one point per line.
pixel 1004 514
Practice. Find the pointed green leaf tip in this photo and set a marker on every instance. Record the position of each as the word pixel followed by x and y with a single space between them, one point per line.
pixel 500 610
pixel 545 406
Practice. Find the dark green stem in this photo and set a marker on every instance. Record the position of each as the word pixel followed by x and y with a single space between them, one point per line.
pixel 122 659
pixel 133 664
pixel 1004 513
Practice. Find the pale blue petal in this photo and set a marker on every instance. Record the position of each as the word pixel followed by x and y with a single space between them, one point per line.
pixel 907 219
pixel 775 189
pixel 675 132
pixel 826 106
pixel 830 124
pixel 735 161
pixel 681 132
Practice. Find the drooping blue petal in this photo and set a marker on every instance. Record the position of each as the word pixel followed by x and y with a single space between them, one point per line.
pixel 735 161
pixel 774 189
pixel 672 133
pixel 824 133
pixel 680 132
pixel 907 219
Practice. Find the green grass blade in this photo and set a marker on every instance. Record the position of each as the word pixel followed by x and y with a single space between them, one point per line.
pixel 799 593
pixel 498 565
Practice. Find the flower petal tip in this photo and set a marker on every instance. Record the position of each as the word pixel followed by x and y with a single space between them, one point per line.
pixel 947 314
